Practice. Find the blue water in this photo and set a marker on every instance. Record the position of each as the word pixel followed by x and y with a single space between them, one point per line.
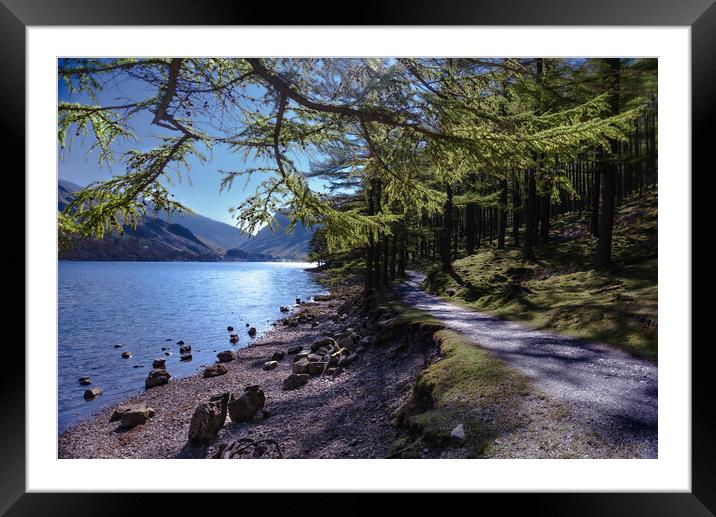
pixel 149 305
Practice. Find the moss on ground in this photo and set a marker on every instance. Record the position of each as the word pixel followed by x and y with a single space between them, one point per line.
pixel 561 291
pixel 465 385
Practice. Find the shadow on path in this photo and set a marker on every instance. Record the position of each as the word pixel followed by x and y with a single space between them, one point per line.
pixel 612 392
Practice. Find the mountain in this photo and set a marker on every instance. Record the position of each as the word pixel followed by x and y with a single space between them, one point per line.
pixel 213 233
pixel 150 240
pixel 188 237
pixel 279 243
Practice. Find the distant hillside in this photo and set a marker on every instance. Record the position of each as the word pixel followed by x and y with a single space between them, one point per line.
pixel 153 239
pixel 279 243
pixel 189 237
pixel 213 233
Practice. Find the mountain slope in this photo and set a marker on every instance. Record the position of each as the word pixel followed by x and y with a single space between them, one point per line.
pixel 153 239
pixel 279 243
pixel 214 234
pixel 189 237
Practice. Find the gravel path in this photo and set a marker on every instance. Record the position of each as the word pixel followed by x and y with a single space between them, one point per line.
pixel 607 390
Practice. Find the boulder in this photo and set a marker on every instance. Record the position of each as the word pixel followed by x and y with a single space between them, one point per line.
pixel 300 355
pixel 325 342
pixel 347 359
pixel 313 358
pixel 458 433
pixel 283 308
pixel 258 393
pixel 185 349
pixel 252 331
pixel 316 368
pixel 167 353
pixel 180 342
pixel 126 355
pixel 208 418
pixel 229 328
pixel 298 301
pixel 118 346
pixel 215 370
pixel 345 342
pixel 270 365
pixel 185 357
pixel 85 380
pixel 159 363
pixel 157 377
pixel 294 349
pixel 136 416
pixel 300 366
pixel 245 406
pixel 295 380
pixel 226 356
pixel 124 408
pixel 92 393
pixel 277 356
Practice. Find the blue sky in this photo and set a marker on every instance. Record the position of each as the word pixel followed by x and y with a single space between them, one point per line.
pixel 198 189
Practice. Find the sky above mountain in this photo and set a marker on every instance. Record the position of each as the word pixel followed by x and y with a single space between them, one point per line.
pixel 198 190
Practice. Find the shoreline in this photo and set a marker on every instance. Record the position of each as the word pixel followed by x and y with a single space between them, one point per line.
pixel 349 415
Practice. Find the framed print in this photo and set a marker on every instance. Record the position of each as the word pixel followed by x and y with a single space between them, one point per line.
pixel 425 249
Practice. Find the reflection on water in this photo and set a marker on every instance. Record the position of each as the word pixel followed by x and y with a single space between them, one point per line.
pixel 149 305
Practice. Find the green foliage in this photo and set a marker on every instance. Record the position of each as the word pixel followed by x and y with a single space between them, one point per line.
pixel 410 126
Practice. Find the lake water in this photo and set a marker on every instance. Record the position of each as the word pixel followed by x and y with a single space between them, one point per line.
pixel 149 305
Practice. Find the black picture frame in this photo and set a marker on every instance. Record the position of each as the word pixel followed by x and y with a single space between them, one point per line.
pixel 16 15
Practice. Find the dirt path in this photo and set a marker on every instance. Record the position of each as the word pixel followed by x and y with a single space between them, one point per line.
pixel 607 390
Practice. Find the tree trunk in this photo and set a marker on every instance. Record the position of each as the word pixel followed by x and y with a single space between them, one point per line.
pixel 502 225
pixel 595 203
pixel 606 221
pixel 470 228
pixel 544 229
pixel 376 251
pixel 447 231
pixel 394 255
pixel 369 249
pixel 386 251
pixel 530 192
pixel 515 209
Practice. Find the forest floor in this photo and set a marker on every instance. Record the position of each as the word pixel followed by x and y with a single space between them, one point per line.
pixel 561 291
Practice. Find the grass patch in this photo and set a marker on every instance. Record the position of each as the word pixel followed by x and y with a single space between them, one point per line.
pixel 467 386
pixel 561 291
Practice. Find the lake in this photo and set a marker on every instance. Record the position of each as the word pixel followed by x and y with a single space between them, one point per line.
pixel 146 306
